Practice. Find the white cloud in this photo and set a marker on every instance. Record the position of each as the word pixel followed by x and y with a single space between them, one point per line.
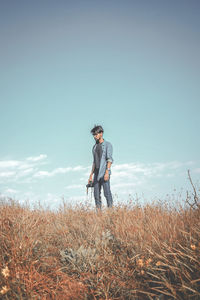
pixel 21 164
pixel 9 164
pixel 12 170
pixel 52 173
pixel 127 184
pixel 29 168
pixel 79 168
pixel 74 186
pixel 61 171
pixel 150 170
pixel 11 191
pixel 27 171
pixel 7 174
pixel 42 174
pixel 37 158
pixel 140 177
pixel 58 171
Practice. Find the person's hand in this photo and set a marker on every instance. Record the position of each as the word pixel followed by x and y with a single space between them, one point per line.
pixel 106 176
pixel 90 178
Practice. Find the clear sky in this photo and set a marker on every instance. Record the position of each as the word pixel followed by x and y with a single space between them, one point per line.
pixel 131 66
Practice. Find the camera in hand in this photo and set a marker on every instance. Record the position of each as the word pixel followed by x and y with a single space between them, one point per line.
pixel 90 184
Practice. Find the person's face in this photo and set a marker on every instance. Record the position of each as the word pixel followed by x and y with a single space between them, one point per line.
pixel 98 136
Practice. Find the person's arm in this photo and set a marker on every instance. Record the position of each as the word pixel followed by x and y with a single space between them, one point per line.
pixel 109 161
pixel 107 173
pixel 92 172
pixel 93 168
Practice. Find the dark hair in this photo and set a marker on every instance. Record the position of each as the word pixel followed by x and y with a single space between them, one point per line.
pixel 96 129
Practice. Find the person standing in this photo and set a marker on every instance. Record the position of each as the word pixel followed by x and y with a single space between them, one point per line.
pixel 101 167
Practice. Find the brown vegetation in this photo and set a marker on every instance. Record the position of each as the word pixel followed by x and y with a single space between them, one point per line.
pixel 150 252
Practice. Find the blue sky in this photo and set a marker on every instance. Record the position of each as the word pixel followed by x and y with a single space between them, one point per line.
pixel 131 66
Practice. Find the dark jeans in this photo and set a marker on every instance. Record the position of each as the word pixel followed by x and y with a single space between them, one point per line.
pixel 106 189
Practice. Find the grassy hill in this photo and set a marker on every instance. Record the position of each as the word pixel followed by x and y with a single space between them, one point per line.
pixel 150 252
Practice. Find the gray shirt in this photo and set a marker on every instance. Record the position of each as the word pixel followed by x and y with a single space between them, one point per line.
pixel 97 156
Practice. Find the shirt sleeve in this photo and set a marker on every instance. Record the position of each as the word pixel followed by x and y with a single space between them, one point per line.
pixel 93 153
pixel 109 153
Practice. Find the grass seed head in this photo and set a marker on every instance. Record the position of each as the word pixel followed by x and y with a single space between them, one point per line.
pixel 6 272
pixel 140 262
pixel 193 247
pixel 148 261
pixel 4 290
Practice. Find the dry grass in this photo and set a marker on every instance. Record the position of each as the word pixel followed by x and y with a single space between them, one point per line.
pixel 123 253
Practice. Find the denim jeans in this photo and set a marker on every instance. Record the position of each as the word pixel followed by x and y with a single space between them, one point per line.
pixel 106 189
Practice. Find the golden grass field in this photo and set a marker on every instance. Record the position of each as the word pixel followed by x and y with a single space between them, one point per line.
pixel 128 252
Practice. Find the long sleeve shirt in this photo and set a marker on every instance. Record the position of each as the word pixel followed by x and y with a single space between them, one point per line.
pixel 107 151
